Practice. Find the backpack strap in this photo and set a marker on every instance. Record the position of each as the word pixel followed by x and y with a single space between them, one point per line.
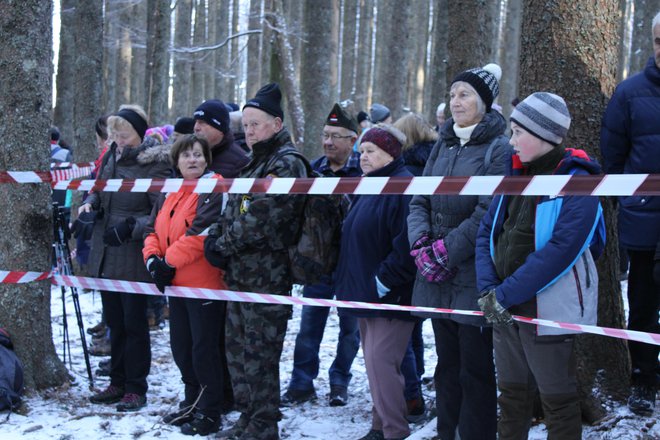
pixel 489 153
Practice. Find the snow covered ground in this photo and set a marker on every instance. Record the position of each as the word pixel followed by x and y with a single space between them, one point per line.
pixel 66 414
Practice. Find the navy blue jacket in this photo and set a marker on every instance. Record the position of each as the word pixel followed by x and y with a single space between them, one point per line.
pixel 374 242
pixel 416 157
pixel 630 144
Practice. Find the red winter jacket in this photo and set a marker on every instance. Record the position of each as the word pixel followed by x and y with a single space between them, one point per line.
pixel 175 223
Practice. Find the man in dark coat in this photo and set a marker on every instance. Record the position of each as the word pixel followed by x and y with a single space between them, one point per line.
pixel 630 143
pixel 212 123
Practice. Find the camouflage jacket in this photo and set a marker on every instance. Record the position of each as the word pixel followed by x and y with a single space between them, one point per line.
pixel 255 230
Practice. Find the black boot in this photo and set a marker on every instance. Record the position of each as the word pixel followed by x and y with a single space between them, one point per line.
pixel 202 425
pixel 563 417
pixel 516 402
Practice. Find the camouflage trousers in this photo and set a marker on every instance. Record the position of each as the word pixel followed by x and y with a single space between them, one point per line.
pixel 254 338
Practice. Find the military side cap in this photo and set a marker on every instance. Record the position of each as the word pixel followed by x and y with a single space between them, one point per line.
pixel 339 118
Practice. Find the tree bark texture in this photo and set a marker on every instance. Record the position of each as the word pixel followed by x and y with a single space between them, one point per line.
pixel 181 105
pixel 197 84
pixel 318 74
pixel 221 56
pixel 124 57
pixel 509 56
pixel 567 48
pixel 290 89
pixel 392 34
pixel 157 73
pixel 110 56
pixel 89 78
pixel 417 50
pixel 25 114
pixel 63 112
pixel 642 36
pixel 139 53
pixel 470 35
pixel 254 50
pixel 437 74
pixel 349 49
pixel 362 95
pixel 232 83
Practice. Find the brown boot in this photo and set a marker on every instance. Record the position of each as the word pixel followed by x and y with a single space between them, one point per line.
pixel 563 417
pixel 516 402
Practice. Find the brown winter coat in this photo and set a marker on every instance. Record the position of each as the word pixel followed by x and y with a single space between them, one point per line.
pixel 124 262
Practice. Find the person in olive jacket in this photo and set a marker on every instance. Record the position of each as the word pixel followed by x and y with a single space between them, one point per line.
pixel 375 266
pixel 116 252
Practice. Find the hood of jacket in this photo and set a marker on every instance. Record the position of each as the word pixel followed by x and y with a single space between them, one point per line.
pixel 150 151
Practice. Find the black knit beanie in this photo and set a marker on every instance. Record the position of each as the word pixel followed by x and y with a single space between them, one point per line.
pixel 483 81
pixel 268 99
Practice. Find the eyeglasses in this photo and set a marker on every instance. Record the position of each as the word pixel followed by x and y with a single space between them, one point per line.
pixel 334 136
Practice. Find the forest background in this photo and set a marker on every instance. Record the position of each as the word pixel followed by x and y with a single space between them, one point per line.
pixel 169 56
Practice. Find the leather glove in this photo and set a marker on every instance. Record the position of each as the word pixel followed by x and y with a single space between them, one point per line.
pixel 161 272
pixel 119 233
pixel 432 263
pixel 212 255
pixel 493 311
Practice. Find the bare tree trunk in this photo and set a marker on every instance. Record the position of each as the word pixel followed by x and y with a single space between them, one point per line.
pixel 235 44
pixel 63 112
pixel 437 75
pixel 254 47
pixel 348 49
pixel 392 34
pixel 139 52
pixel 471 34
pixel 277 22
pixel 417 47
pixel 157 73
pixel 221 56
pixel 642 36
pixel 124 58
pixel 110 56
pixel 26 35
pixel 182 38
pixel 267 47
pixel 362 94
pixel 509 56
pixel 318 70
pixel 88 67
pixel 197 86
pixel 293 9
pixel 581 67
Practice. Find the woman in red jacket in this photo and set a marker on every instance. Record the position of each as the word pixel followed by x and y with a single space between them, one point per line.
pixel 174 254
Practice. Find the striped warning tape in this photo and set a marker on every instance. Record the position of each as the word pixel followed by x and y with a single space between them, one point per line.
pixel 229 295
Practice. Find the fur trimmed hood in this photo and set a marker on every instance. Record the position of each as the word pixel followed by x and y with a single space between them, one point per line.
pixel 151 152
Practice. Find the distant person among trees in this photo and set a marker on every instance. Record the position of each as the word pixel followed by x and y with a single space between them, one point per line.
pixel 630 144
pixel 442 230
pixel 440 117
pixel 174 255
pixel 378 113
pixel 338 136
pixel 117 252
pixel 535 258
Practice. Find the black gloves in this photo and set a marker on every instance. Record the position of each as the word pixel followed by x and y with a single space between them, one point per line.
pixel 161 272
pixel 84 225
pixel 493 311
pixel 212 255
pixel 119 233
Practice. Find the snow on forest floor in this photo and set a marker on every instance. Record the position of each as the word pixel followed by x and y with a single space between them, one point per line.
pixel 66 414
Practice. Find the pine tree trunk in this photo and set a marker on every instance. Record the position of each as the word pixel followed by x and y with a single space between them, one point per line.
pixel 88 73
pixel 318 70
pixel 235 45
pixel 437 74
pixel 509 56
pixel 254 50
pixel 124 59
pixel 471 31
pixel 642 35
pixel 110 56
pixel 63 112
pixel 290 89
pixel 158 67
pixel 392 34
pixel 294 18
pixel 139 52
pixel 221 56
pixel 25 244
pixel 417 47
pixel 581 67
pixel 197 84
pixel 364 49
pixel 181 82
pixel 348 49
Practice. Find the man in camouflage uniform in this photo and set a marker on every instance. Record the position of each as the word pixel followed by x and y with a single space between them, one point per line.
pixel 250 243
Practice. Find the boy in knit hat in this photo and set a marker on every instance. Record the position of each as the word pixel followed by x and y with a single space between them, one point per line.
pixel 535 258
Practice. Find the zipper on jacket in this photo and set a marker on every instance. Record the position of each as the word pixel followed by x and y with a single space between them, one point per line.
pixel 579 290
pixel 458 152
pixel 586 269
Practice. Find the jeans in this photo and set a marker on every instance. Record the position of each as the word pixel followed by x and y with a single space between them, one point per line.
pixel 306 353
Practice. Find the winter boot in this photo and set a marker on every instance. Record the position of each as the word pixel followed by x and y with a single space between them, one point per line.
pixel 236 430
pixel 112 394
pixel 642 400
pixel 202 425
pixel 338 395
pixel 516 402
pixel 374 434
pixel 294 397
pixel 131 402
pixel 563 417
pixel 185 414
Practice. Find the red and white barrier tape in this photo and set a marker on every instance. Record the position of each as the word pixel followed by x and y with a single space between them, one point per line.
pixel 62 165
pixel 603 185
pixel 229 295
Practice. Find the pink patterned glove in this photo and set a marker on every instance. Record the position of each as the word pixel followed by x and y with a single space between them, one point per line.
pixel 432 263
